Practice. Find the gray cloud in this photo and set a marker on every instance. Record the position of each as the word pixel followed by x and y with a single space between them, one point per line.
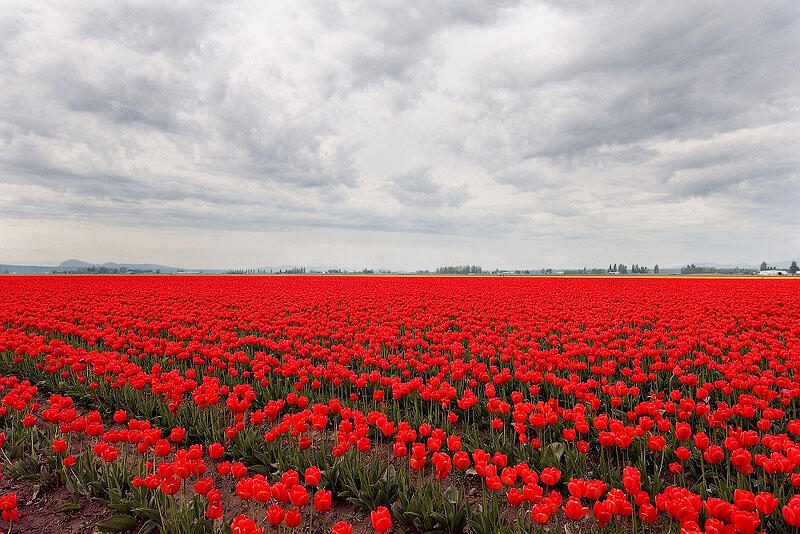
pixel 624 123
pixel 418 189
pixel 175 28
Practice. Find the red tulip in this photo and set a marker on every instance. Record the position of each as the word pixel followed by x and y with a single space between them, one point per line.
pixel 656 443
pixel 177 434
pixel 540 513
pixel 573 509
pixel 744 500
pixel 313 476
pixel 701 441
pixel 244 525
pixel 298 495
pixel 215 451
pixel 275 514
pixel 381 519
pixel 322 500
pixel 766 503
pixel 515 497
pixel 746 522
pixel 293 518
pixel 550 476
pixel 238 469
pixel 399 449
pixel 342 528
pixel 203 486
pixel 714 454
pixel 215 510
pixel 648 514
pixel 631 480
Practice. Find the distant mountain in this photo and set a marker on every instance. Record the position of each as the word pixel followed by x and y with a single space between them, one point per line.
pixel 26 269
pixel 75 265
pixel 79 266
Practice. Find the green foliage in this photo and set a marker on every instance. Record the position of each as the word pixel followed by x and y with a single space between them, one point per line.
pixel 427 508
pixel 117 523
pixel 486 519
pixel 177 517
pixel 366 485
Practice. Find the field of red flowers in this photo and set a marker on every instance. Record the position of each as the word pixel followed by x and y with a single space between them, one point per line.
pixel 404 404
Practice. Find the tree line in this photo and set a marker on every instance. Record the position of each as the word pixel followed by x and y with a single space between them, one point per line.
pixel 459 269
pixel 635 269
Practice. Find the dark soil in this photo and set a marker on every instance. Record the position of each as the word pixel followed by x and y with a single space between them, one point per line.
pixel 53 510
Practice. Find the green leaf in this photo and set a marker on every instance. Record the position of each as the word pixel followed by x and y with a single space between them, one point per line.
pixel 69 507
pixel 451 494
pixel 120 507
pixel 557 449
pixel 261 470
pixel 150 513
pixel 148 527
pixel 117 523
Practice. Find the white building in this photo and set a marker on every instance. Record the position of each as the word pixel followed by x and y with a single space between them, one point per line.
pixel 773 272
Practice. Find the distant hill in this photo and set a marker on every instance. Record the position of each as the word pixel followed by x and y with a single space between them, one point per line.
pixel 79 266
pixel 74 265
pixel 26 269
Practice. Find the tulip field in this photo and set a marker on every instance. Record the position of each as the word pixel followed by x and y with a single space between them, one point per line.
pixel 339 404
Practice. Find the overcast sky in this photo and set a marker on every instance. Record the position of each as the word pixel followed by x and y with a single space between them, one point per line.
pixel 405 135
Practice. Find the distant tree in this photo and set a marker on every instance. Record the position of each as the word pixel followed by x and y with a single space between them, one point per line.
pixel 623 269
pixel 615 267
pixel 763 266
pixel 793 268
pixel 693 269
pixel 459 269
pixel 655 269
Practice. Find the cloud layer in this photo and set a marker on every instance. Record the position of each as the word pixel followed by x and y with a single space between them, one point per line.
pixel 572 132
